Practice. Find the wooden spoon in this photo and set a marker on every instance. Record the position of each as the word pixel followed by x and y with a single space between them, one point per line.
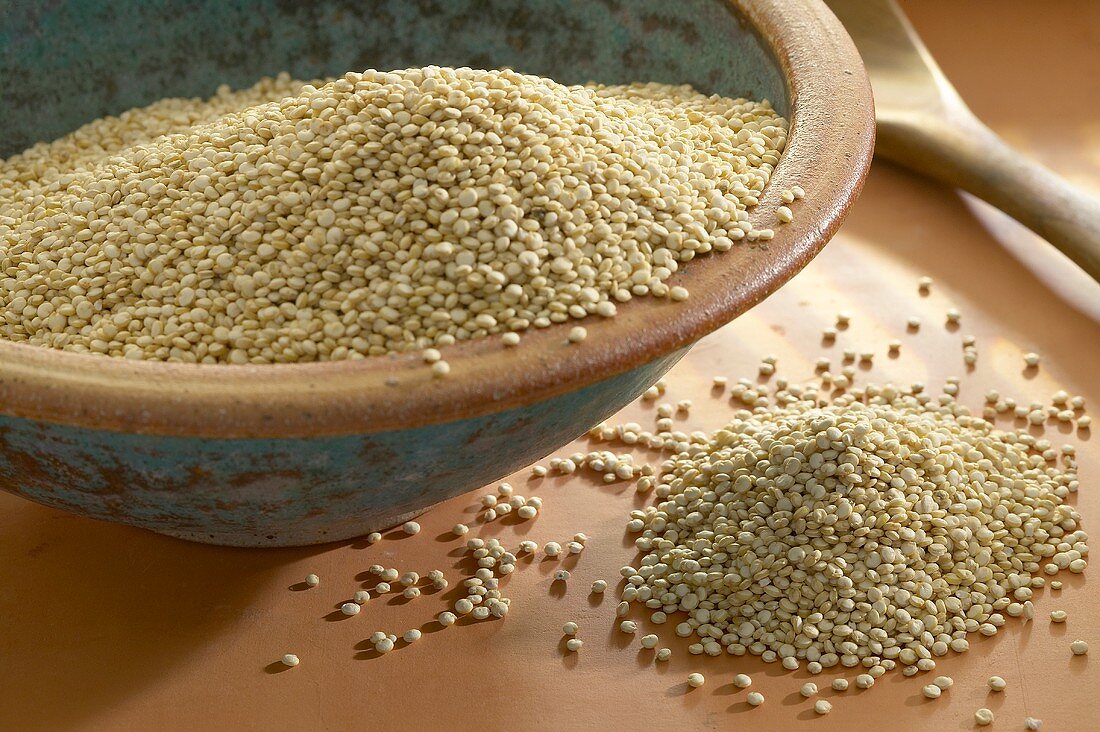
pixel 924 125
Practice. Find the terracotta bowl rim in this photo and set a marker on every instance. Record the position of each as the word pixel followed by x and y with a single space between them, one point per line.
pixel 828 153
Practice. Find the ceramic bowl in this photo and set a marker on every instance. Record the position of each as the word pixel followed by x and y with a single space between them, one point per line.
pixel 301 454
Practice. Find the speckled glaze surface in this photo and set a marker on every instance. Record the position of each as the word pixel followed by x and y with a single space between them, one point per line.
pixel 300 454
pixel 293 491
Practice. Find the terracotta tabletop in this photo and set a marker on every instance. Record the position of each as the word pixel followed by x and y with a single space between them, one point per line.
pixel 107 627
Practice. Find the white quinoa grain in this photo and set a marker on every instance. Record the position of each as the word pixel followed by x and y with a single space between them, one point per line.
pixel 754 698
pixel 821 706
pixel 983 717
pixel 715 495
pixel 181 165
pixel 290 660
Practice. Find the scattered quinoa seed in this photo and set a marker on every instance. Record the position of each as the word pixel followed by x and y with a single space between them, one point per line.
pixel 573 645
pixel 996 683
pixel 742 681
pixel 754 698
pixel 821 706
pixel 312 580
pixel 350 608
pixel 695 680
pixel 840 684
pixel 983 717
pixel 290 660
pixel 1058 616
pixel 1079 647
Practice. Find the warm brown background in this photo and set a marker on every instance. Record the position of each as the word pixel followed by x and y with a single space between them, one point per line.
pixel 104 627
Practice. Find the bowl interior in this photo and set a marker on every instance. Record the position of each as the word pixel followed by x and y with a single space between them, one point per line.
pixel 65 64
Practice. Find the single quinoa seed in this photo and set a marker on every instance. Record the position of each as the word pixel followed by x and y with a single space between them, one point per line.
pixel 996 683
pixel 350 217
pixel 983 717
pixel 290 660
pixel 695 680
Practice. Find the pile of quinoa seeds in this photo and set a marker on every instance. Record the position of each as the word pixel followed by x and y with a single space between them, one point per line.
pixel 374 213
pixel 876 530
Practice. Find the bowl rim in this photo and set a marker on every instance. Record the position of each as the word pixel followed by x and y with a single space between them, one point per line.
pixel 828 153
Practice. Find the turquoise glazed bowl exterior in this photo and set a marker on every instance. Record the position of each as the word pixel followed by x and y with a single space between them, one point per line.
pixel 301 454
pixel 293 491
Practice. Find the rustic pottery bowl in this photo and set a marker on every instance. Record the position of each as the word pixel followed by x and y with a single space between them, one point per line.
pixel 301 454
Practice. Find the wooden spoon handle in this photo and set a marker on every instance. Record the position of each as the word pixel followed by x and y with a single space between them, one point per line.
pixel 964 153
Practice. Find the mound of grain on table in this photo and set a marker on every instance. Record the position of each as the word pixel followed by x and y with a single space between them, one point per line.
pixel 857 533
pixel 379 212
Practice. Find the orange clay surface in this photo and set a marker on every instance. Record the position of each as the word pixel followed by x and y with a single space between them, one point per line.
pixel 106 627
